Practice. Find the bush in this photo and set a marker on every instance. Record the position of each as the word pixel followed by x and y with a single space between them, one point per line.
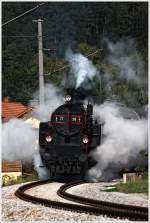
pixel 20 179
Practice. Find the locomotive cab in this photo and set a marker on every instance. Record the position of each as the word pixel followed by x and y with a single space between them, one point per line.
pixel 67 139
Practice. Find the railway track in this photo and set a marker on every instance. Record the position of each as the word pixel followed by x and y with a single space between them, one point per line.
pixel 88 205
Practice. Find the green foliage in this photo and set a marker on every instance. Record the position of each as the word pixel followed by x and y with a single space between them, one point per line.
pixel 53 70
pixel 80 26
pixel 92 52
pixel 142 169
pixel 113 189
pixel 21 83
pixel 27 167
pixel 28 175
pixel 139 186
pixel 143 153
pixel 109 69
pixel 19 180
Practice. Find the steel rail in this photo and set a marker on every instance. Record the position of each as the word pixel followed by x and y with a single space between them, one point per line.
pixel 90 208
pixel 62 192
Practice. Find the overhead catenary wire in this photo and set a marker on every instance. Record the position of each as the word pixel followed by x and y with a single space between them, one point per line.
pixel 17 36
pixel 19 16
pixel 23 36
pixel 32 36
pixel 68 65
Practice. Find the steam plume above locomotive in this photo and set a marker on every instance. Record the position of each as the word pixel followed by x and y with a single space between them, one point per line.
pixel 82 68
pixel 123 55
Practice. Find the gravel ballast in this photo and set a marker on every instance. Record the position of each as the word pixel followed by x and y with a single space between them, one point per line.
pixel 94 191
pixel 14 209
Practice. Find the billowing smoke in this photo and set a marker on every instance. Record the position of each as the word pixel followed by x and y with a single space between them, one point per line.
pixel 53 99
pixel 123 139
pixel 82 68
pixel 42 171
pixel 18 140
pixel 124 56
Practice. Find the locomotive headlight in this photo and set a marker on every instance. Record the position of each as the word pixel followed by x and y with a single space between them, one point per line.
pixel 48 138
pixel 67 98
pixel 85 140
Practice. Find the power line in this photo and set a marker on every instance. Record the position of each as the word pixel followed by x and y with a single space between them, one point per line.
pixel 68 65
pixel 19 16
pixel 20 36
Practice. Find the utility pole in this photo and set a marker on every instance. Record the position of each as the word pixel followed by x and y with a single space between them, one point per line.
pixel 41 73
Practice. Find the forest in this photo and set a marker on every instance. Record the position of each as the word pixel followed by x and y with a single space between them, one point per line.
pixel 81 26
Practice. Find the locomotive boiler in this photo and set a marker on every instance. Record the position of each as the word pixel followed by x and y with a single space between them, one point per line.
pixel 68 138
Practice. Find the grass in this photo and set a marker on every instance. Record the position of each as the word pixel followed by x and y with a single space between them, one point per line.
pixel 139 186
pixel 111 190
pixel 28 175
pixel 21 179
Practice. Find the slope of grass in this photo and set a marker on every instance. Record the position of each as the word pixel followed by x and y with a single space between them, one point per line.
pixel 140 186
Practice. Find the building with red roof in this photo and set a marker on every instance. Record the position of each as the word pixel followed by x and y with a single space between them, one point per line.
pixel 13 109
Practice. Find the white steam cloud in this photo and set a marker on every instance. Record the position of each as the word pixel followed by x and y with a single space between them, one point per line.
pixel 42 171
pixel 53 99
pixel 124 56
pixel 18 140
pixel 123 140
pixel 82 68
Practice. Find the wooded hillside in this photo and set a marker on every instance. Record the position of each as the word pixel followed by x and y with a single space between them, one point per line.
pixel 81 26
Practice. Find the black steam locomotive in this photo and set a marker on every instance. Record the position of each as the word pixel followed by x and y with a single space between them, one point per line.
pixel 68 138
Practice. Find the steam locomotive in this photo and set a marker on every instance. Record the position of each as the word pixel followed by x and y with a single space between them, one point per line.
pixel 68 138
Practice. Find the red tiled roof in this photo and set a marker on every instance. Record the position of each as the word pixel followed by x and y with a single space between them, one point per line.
pixel 13 109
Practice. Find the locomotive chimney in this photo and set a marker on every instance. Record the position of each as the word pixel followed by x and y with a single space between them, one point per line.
pixel 74 95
